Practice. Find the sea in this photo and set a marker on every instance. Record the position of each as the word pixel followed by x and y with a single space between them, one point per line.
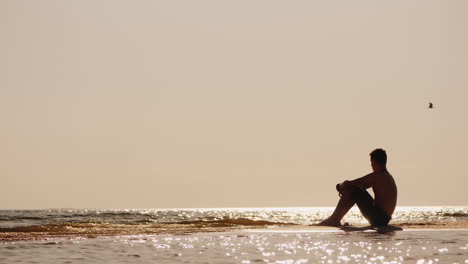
pixel 230 235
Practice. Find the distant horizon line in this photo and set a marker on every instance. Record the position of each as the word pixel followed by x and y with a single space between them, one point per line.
pixel 209 208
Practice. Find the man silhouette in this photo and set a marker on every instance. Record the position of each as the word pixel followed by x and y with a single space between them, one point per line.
pixel 379 211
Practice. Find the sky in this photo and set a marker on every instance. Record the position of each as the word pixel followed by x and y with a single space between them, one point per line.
pixel 182 104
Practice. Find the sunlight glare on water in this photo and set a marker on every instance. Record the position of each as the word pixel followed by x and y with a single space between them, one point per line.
pixel 227 235
pixel 245 247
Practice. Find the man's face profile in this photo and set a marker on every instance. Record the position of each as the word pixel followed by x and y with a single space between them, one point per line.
pixel 374 165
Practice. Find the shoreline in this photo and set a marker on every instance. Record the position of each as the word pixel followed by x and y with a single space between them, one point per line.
pixel 6 237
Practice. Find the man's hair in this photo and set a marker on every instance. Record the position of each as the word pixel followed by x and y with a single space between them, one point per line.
pixel 379 156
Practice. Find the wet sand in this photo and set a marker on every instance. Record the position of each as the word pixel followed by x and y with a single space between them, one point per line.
pixel 288 244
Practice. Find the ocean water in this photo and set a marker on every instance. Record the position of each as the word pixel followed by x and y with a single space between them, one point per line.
pixel 228 235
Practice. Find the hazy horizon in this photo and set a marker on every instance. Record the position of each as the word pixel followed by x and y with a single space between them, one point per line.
pixel 163 104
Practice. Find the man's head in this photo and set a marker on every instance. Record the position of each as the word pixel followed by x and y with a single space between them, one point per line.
pixel 378 159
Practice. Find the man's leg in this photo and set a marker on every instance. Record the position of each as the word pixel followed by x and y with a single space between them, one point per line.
pixel 344 204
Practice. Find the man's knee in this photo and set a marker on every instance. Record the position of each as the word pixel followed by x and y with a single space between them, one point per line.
pixel 348 190
pixel 347 187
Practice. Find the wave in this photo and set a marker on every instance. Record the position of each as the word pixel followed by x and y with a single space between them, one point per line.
pixel 201 225
pixel 455 214
pixel 71 230
pixel 11 218
pixel 145 226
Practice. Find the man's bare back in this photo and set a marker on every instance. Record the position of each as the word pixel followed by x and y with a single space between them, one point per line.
pixel 385 191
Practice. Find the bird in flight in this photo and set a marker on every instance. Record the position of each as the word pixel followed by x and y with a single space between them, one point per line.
pixel 431 105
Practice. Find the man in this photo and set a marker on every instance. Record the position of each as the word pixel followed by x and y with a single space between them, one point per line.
pixel 379 211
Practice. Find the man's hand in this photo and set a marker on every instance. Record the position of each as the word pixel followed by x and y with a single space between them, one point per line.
pixel 341 187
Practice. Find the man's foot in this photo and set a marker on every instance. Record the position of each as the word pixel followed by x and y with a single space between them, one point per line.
pixel 329 222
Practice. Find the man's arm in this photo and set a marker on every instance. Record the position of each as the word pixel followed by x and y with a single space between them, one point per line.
pixel 364 182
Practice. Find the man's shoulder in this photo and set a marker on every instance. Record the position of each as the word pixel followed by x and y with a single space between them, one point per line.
pixel 385 176
pixel 382 175
pixel 388 174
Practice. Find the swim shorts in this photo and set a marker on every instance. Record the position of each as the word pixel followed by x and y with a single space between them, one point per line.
pixel 374 214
